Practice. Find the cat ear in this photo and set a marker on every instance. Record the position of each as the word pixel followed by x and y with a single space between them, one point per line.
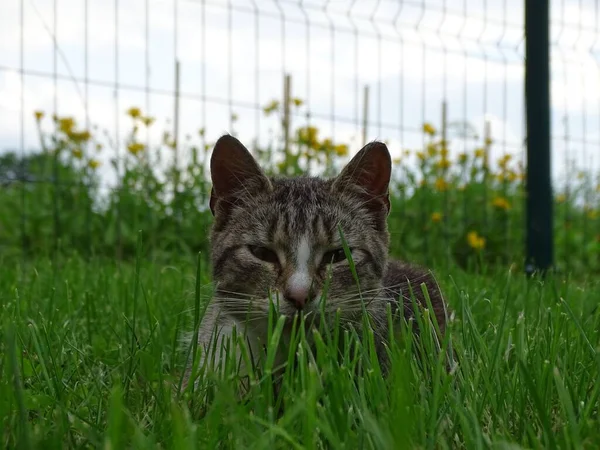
pixel 234 172
pixel 369 172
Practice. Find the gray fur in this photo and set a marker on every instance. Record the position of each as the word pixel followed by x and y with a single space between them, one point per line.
pixel 251 209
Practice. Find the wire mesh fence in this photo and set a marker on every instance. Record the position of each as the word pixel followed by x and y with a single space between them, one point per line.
pixel 109 110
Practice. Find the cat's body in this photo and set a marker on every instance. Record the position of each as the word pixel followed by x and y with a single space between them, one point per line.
pixel 279 239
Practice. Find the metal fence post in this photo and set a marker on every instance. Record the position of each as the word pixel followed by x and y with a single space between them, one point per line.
pixel 539 227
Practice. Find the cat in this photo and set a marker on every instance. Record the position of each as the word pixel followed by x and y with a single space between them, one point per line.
pixel 282 235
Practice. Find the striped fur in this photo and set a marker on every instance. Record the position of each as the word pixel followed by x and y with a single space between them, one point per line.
pixel 298 220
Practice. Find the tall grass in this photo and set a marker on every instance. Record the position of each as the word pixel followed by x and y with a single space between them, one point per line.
pixel 90 358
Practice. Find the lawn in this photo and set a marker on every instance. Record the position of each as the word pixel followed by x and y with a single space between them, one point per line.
pixel 89 353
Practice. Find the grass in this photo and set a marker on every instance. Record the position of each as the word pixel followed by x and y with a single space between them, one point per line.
pixel 89 354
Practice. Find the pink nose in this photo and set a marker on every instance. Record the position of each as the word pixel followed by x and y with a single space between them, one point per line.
pixel 297 295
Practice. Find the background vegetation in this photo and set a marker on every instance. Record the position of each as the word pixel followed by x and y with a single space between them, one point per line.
pixel 461 210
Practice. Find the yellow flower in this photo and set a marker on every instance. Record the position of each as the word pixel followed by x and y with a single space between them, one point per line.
pixel 581 175
pixel 148 121
pixel 93 164
pixel 443 163
pixel 479 153
pixel 308 136
pixel 327 145
pixel 66 125
pixel 297 102
pixel 429 129
pixel 98 147
pixel 441 185
pixel 134 112
pixel 396 161
pixel 407 153
pixel 77 153
pixel 436 217
pixel 462 158
pixel 81 136
pixel 39 115
pixel 488 141
pixel 475 241
pixel 501 203
pixel 234 117
pixel 341 149
pixel 421 156
pixel 271 107
pixel 561 198
pixel 135 148
pixel 201 132
pixel 432 150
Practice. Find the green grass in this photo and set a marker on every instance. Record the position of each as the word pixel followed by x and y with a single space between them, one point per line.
pixel 89 352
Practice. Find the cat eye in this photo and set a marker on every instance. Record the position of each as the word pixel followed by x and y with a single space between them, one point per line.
pixel 334 256
pixel 264 254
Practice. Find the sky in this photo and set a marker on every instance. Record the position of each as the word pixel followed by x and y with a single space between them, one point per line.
pixel 101 57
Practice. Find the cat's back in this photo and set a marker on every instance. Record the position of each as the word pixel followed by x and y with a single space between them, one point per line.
pixel 401 277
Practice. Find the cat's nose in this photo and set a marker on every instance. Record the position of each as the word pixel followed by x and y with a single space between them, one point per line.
pixel 297 295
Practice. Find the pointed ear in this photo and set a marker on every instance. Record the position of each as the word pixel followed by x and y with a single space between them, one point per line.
pixel 234 173
pixel 368 174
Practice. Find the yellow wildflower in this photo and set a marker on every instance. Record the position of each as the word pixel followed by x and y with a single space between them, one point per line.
pixel 396 161
pixel 407 153
pixel 488 141
pixel 297 102
pixel 93 164
pixel 234 117
pixel 271 107
pixel 66 125
pixel 479 153
pixel 429 129
pixel 436 217
pixel 462 158
pixel 39 115
pixel 148 121
pixel 341 149
pixel 561 198
pixel 421 156
pixel 581 175
pixel 327 145
pixel 77 153
pixel 134 112
pixel 81 136
pixel 308 136
pixel 201 132
pixel 475 241
pixel 135 148
pixel 443 163
pixel 432 150
pixel 98 147
pixel 441 185
pixel 501 203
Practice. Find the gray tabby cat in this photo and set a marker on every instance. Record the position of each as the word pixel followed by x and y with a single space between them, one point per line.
pixel 280 236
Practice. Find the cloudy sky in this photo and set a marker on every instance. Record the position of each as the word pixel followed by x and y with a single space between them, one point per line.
pixel 104 56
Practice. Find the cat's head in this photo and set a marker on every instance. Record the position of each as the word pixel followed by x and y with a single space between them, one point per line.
pixel 280 237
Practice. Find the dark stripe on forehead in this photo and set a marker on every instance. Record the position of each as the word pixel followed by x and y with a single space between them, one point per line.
pixel 219 264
